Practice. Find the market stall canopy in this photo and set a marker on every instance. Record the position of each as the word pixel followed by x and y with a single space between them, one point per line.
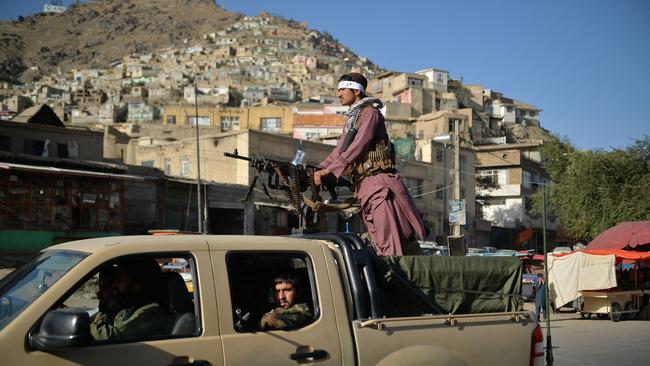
pixel 568 274
pixel 621 254
pixel 626 234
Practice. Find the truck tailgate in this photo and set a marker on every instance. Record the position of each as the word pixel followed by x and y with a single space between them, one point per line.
pixel 473 339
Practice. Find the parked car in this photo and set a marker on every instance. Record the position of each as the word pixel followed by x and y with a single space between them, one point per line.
pixel 432 248
pixel 476 251
pixel 505 252
pixel 528 283
pixel 561 250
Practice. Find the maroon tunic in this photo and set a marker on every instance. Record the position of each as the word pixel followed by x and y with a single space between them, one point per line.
pixel 387 209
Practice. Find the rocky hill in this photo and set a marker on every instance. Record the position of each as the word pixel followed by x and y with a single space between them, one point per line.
pixel 99 31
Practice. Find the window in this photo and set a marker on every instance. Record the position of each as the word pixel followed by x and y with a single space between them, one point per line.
pixel 439 78
pixel 5 143
pixel 253 287
pixel 33 147
pixel 41 202
pixel 176 312
pixel 440 153
pixel 26 284
pixel 230 123
pixel 414 186
pixel 509 109
pixel 171 120
pixel 62 150
pixel 495 202
pixel 312 135
pixel 203 121
pixel 148 163
pixel 272 124
pixel 496 176
pixel 527 179
pixel 440 191
pixel 168 166
pixel 186 166
pixel 414 82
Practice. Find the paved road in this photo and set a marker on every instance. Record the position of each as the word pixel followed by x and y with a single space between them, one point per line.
pixel 598 342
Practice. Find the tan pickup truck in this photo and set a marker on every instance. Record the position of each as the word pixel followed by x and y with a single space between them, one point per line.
pixel 47 304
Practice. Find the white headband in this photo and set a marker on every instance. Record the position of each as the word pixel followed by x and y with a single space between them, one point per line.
pixel 352 85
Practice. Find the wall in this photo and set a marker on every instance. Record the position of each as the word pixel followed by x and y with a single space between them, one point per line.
pixel 249 118
pixel 90 143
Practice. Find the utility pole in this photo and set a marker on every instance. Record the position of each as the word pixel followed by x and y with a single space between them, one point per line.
pixel 547 311
pixel 198 160
pixel 456 231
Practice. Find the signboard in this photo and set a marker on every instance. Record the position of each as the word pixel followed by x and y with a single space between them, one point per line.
pixel 49 8
pixel 457 212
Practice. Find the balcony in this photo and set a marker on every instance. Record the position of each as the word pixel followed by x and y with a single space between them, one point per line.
pixel 504 190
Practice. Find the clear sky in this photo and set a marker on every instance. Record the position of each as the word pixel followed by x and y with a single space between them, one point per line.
pixel 586 64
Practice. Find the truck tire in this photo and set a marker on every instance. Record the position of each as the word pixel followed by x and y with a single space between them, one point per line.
pixel 615 312
pixel 631 307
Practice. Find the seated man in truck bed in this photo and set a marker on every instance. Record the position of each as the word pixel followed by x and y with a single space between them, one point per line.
pixel 138 285
pixel 287 314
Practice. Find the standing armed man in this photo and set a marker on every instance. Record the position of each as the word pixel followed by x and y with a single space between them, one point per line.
pixel 365 153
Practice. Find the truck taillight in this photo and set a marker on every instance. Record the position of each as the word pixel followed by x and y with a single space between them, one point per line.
pixel 537 348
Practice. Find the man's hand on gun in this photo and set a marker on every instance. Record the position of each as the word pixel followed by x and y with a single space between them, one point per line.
pixel 319 174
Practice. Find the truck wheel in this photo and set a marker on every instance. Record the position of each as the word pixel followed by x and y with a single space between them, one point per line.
pixel 584 315
pixel 631 307
pixel 615 312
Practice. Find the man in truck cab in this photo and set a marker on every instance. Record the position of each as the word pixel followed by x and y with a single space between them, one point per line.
pixel 138 287
pixel 109 305
pixel 287 313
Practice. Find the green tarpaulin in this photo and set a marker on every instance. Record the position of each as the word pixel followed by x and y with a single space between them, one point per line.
pixel 460 285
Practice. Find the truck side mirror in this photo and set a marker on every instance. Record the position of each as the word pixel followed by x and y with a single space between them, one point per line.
pixel 61 328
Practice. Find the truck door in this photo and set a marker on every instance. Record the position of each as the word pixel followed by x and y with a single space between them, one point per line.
pixel 255 328
pixel 187 304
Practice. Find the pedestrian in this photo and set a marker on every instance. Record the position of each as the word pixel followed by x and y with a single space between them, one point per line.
pixel 364 153
pixel 540 297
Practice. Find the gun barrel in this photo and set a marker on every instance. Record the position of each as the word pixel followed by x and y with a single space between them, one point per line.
pixel 236 156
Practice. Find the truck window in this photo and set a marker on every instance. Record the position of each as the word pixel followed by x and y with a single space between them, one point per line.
pixel 27 283
pixel 140 297
pixel 272 290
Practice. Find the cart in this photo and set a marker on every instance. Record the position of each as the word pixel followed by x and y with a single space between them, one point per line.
pixel 615 304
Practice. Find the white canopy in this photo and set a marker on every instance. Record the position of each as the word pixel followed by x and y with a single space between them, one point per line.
pixel 578 271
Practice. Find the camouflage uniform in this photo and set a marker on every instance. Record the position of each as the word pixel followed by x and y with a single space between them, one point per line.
pixel 132 322
pixel 281 318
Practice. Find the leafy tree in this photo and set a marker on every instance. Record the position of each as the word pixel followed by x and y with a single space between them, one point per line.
pixel 591 191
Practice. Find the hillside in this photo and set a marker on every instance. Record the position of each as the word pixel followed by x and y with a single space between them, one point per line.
pixel 99 31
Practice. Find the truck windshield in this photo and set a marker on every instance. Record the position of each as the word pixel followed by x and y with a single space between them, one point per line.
pixel 24 285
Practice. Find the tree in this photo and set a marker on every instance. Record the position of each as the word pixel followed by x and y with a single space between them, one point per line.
pixel 591 191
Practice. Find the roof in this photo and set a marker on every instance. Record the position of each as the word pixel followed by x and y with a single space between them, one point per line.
pixel 507 146
pixel 39 114
pixel 53 170
pixel 108 246
pixel 522 105
pixel 319 120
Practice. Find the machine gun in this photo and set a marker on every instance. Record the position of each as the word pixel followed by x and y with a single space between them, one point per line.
pixel 292 180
